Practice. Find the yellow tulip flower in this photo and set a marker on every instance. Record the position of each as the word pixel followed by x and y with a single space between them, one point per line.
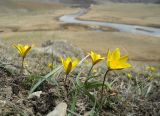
pixel 115 62
pixel 150 78
pixel 129 75
pixel 23 49
pixel 69 64
pixel 151 69
pixel 95 57
pixel 50 65
pixel 94 71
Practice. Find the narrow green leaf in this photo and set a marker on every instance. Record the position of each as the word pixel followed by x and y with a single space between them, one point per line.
pixel 91 97
pixel 73 105
pixel 96 84
pixel 45 77
pixel 148 90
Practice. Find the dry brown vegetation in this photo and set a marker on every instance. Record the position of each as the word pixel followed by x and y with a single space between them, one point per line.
pixel 138 14
pixel 35 27
pixel 139 47
pixel 37 5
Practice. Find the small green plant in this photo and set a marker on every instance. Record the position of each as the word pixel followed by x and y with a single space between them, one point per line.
pixel 31 81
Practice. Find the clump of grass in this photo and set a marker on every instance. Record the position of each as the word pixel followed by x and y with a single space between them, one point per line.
pixel 31 81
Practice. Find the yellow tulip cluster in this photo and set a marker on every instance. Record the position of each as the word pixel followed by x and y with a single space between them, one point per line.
pixel 114 61
pixel 151 69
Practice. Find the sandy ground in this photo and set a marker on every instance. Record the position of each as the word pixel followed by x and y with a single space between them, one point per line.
pixel 43 20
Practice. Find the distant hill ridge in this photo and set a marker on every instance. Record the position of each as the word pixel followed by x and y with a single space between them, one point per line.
pixel 6 2
pixel 92 1
pixel 82 3
pixel 139 1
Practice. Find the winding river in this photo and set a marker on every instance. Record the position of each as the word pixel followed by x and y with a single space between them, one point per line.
pixel 73 18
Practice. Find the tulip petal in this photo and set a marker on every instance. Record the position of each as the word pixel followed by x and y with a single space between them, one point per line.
pixel 69 68
pixel 26 50
pixel 19 50
pixel 74 63
pixel 116 54
pixel 95 57
pixel 109 55
pixel 126 65
pixel 66 63
pixel 123 59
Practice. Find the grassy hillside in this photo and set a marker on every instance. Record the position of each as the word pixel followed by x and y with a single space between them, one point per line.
pixel 23 6
pixel 36 26
pixel 140 14
pixel 35 79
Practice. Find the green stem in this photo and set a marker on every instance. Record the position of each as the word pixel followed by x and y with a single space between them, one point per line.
pixel 65 86
pixel 22 65
pixel 90 70
pixel 104 79
pixel 65 80
pixel 89 74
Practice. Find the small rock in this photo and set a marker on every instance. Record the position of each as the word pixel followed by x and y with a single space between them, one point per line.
pixel 35 94
pixel 2 103
pixel 60 110
pixel 59 48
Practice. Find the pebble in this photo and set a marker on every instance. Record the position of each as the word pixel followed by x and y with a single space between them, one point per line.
pixel 60 110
